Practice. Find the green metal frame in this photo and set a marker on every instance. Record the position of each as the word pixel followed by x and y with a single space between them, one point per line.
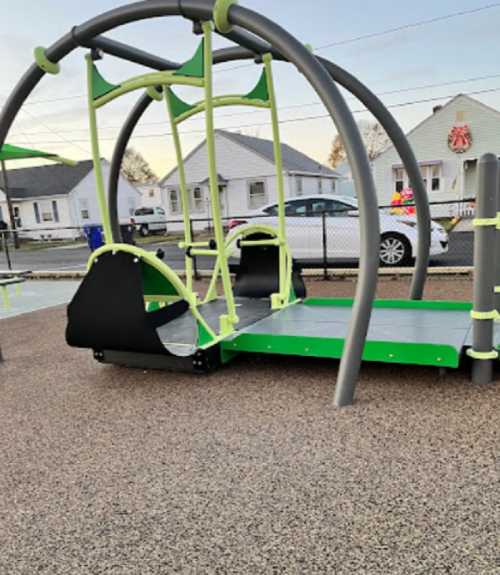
pixel 198 72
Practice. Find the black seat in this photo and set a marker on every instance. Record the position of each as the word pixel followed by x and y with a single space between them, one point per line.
pixel 258 272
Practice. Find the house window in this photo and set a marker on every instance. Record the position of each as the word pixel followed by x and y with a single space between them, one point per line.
pixel 151 193
pixel 47 214
pixel 84 209
pixel 299 185
pixel 55 211
pixel 197 199
pixel 320 186
pixel 435 178
pixel 257 196
pixel 173 200
pixel 399 179
pixel 37 212
pixel 334 186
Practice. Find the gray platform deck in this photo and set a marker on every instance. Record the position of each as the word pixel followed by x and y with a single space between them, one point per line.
pixel 396 334
pixel 395 325
pixel 181 335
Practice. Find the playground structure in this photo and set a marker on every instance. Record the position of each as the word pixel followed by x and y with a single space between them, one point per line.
pixel 132 309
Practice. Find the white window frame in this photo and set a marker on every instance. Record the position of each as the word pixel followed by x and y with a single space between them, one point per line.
pixel 177 209
pixel 46 212
pixel 320 185
pixel 197 204
pixel 299 186
pixel 426 171
pixel 252 205
pixel 83 208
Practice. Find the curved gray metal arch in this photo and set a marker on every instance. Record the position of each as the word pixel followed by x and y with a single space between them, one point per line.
pixel 293 51
pixel 355 87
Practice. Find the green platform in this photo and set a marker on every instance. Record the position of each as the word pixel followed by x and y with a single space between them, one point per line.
pixel 405 332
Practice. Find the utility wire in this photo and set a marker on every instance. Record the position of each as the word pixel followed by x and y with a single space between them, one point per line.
pixel 286 121
pixel 281 108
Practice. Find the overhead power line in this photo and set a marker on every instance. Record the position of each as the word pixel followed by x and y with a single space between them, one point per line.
pixel 281 108
pixel 285 121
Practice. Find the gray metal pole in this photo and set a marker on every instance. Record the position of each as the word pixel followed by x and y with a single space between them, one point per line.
pixel 497 244
pixel 10 208
pixel 484 311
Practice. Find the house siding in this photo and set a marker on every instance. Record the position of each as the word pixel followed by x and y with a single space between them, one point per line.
pixel 429 142
pixel 239 166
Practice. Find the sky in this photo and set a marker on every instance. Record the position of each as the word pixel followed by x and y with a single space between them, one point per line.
pixel 430 61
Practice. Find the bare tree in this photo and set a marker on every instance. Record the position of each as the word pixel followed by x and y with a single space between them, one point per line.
pixel 374 138
pixel 136 169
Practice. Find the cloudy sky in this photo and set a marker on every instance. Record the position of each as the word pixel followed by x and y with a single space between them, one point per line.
pixel 429 61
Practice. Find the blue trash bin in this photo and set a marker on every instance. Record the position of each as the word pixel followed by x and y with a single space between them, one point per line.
pixel 93 233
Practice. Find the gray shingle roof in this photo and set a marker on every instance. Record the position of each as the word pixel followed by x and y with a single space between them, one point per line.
pixel 293 160
pixel 50 180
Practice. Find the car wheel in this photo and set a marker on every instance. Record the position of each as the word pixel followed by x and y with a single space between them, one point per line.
pixel 144 230
pixel 395 250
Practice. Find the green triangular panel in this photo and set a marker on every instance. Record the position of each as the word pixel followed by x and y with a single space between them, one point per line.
pixel 195 68
pixel 100 86
pixel 9 152
pixel 203 336
pixel 261 91
pixel 155 283
pixel 178 106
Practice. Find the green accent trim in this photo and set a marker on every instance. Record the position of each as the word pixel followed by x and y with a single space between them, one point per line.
pixel 96 153
pixel 154 79
pixel 100 86
pixel 309 48
pixel 380 351
pixel 394 304
pixel 170 275
pixel 482 355
pixel 497 289
pixel 484 315
pixel 44 63
pixel 154 282
pixel 154 93
pixel 485 222
pixel 10 152
pixel 221 15
pixel 261 90
pixel 179 107
pixel 188 262
pixel 194 68
pixel 204 336
pixel 220 102
pixel 232 317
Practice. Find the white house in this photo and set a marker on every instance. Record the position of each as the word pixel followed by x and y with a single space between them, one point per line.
pixel 247 178
pixel 49 199
pixel 151 194
pixel 447 145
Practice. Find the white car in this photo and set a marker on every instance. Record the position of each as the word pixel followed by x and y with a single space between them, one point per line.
pixel 304 227
pixel 148 220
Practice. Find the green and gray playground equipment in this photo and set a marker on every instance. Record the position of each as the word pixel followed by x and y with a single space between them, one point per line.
pixel 132 309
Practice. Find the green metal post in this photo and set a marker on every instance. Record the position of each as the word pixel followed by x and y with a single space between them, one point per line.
pixel 278 160
pixel 188 237
pixel 96 156
pixel 227 322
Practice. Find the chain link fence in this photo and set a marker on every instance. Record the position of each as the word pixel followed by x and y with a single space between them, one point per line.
pixel 319 238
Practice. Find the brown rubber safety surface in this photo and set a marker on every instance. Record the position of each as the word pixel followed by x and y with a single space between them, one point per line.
pixel 249 470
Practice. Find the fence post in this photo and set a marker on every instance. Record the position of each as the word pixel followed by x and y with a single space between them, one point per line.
pixel 195 261
pixel 484 312
pixel 497 247
pixel 5 245
pixel 325 246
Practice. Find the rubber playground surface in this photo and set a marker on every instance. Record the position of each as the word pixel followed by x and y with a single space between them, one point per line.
pixel 248 470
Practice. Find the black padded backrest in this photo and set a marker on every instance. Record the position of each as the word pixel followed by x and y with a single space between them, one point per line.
pixel 258 273
pixel 107 312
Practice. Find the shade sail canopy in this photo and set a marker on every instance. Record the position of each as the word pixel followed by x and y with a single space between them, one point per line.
pixel 9 152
